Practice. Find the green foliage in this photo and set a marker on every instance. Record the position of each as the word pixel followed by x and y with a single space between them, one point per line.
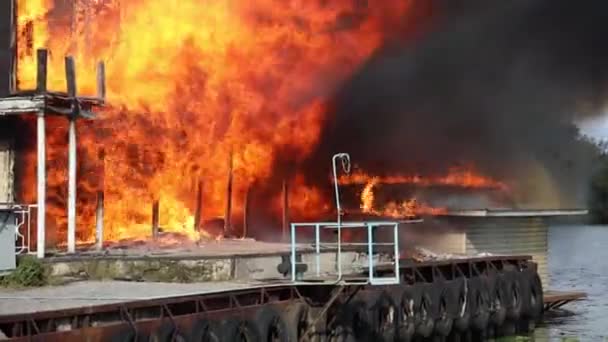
pixel 29 273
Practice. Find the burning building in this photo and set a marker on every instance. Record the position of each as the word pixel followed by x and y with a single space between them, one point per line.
pixel 222 110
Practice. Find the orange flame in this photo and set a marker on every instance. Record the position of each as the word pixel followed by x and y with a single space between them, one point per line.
pixel 458 177
pixel 191 83
pixel 407 208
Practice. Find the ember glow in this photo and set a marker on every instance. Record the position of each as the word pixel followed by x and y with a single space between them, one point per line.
pixel 191 84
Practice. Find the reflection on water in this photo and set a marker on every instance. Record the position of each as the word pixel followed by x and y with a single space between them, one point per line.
pixel 578 260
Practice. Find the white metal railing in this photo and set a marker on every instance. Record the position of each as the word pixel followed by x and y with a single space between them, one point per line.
pixel 22 223
pixel 370 244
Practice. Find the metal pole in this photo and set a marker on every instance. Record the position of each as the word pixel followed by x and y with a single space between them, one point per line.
pixel 72 186
pixel 41 194
pixel 99 222
pixel 346 168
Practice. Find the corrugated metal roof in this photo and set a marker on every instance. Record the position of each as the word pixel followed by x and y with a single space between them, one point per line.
pixel 516 213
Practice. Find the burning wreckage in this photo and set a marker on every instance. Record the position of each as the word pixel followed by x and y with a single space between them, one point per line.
pixel 173 187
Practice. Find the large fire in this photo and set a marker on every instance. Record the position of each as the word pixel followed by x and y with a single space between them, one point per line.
pixel 195 86
pixel 456 177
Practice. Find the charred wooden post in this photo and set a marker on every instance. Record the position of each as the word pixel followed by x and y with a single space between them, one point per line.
pixel 285 227
pixel 155 219
pixel 13 46
pixel 41 82
pixel 228 213
pixel 70 74
pixel 99 222
pixel 198 214
pixel 41 75
pixel 101 81
pixel 246 213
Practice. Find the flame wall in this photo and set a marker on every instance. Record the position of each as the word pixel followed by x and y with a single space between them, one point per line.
pixel 190 85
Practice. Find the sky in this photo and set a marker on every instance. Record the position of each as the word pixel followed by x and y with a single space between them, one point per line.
pixel 595 127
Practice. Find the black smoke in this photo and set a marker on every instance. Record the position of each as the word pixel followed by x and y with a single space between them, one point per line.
pixel 497 84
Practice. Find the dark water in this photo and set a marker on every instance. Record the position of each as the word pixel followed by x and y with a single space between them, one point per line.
pixel 578 260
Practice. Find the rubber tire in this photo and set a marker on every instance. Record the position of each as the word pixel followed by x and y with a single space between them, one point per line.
pixel 205 331
pixel 479 299
pixel 462 318
pixel 444 309
pixel 125 335
pixel 424 309
pixel 386 319
pixel 233 330
pixel 513 292
pixel 340 330
pixel 406 322
pixel 533 295
pixel 361 320
pixel 165 333
pixel 270 324
pixel 498 311
pixel 298 320
pixel 507 329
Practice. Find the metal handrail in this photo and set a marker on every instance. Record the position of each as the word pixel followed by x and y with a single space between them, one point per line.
pixel 370 226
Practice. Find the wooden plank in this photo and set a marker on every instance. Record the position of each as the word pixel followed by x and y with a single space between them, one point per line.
pixel 550 296
pixel 21 105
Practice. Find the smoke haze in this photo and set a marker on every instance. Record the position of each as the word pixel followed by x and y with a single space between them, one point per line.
pixel 496 86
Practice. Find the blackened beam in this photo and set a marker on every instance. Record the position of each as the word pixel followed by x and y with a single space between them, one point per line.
pixel 42 70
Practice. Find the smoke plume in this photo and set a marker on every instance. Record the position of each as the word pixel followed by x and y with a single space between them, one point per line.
pixel 495 84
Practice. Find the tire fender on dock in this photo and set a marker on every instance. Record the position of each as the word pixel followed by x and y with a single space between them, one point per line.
pixel 498 310
pixel 298 320
pixel 270 325
pixel 205 330
pixel 512 282
pixel 444 308
pixel 533 295
pixel 406 322
pixel 479 300
pixel 166 332
pixel 462 319
pixel 233 330
pixel 386 312
pixel 424 309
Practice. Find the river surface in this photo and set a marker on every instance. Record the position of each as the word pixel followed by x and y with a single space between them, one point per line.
pixel 578 260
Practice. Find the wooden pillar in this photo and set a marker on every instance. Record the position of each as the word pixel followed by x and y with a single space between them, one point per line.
pixel 155 219
pixel 99 222
pixel 228 212
pixel 246 213
pixel 198 213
